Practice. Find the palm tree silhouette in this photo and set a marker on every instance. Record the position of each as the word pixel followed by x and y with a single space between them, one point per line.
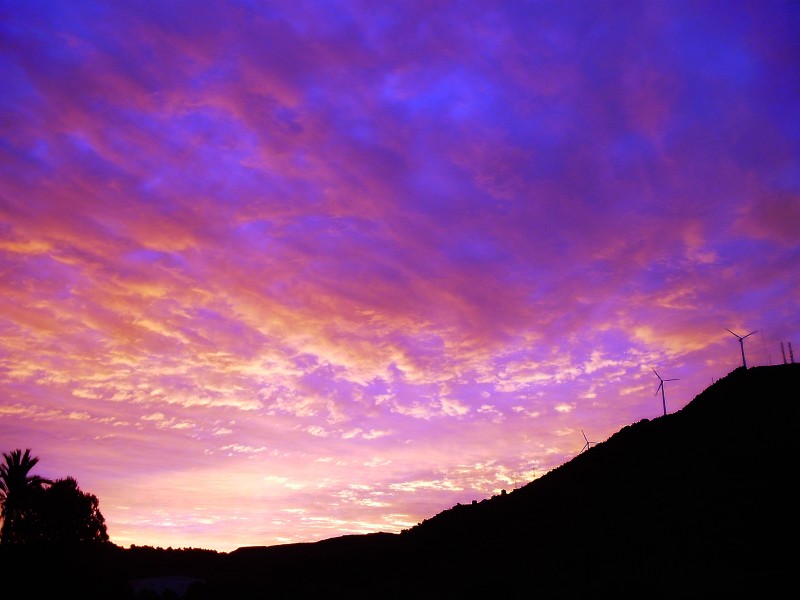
pixel 18 492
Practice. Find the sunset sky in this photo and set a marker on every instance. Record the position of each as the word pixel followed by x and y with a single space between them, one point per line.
pixel 283 271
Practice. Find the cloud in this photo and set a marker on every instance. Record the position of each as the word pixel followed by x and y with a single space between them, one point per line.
pixel 418 238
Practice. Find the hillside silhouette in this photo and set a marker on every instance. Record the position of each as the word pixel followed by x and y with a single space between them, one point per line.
pixel 695 504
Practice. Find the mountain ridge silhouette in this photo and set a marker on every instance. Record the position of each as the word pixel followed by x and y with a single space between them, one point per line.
pixel 694 504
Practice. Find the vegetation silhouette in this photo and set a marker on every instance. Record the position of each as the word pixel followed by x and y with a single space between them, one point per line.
pixel 36 510
pixel 70 516
pixel 19 492
pixel 695 504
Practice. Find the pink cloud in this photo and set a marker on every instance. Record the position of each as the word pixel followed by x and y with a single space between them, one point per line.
pixel 359 265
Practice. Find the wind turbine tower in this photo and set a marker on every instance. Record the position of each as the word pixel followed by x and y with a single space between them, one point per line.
pixel 661 387
pixel 588 443
pixel 741 343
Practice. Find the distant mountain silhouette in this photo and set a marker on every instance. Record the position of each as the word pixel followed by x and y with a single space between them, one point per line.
pixel 695 504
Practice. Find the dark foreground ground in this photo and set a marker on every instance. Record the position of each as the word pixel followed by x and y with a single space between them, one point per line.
pixel 697 504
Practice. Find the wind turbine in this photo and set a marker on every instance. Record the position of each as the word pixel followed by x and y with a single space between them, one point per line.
pixel 588 443
pixel 661 387
pixel 741 343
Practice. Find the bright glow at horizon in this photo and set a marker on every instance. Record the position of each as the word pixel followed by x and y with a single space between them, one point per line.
pixel 284 272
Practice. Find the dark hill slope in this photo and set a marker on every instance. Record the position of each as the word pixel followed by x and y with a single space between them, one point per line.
pixel 696 504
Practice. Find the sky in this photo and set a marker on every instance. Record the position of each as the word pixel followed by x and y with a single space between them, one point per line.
pixel 277 272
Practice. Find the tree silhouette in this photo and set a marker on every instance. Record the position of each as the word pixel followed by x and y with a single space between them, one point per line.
pixel 67 515
pixel 38 510
pixel 19 493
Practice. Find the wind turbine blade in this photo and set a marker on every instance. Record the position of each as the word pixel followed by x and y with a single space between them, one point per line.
pixel 672 379
pixel 736 334
pixel 656 372
pixel 658 389
pixel 584 436
pixel 749 334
